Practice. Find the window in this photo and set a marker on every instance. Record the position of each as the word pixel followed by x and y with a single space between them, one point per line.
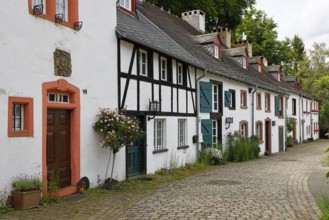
pixel 125 4
pixel 293 106
pixel 244 62
pixel 62 8
pixel 259 130
pixel 243 99
pixel 216 51
pixel 215 96
pixel 182 132
pixel 163 68
pixel 39 2
pixel 62 98
pixel 20 117
pixel 244 128
pixel 278 106
pixel 267 102
pixel 179 74
pixel 259 101
pixel 229 99
pixel 214 131
pixel 142 62
pixel 159 134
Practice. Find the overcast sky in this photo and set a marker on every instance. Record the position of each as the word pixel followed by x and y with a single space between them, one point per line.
pixel 307 18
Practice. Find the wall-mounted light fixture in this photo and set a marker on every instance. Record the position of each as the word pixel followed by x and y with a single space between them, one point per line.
pixel 77 25
pixel 59 18
pixel 38 9
pixel 154 107
pixel 229 121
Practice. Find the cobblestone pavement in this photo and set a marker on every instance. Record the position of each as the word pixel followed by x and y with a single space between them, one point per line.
pixel 274 187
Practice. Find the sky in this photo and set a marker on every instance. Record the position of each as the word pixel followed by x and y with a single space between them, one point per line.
pixel 307 18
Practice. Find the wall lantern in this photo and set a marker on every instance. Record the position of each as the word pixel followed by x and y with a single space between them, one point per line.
pixel 154 107
pixel 38 9
pixel 77 25
pixel 229 121
pixel 59 18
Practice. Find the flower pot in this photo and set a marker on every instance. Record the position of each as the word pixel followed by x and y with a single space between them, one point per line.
pixel 26 200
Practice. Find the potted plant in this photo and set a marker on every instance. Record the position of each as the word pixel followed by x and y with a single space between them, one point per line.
pixel 27 191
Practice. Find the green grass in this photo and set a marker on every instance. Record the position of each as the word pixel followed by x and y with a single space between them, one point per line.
pixel 324 206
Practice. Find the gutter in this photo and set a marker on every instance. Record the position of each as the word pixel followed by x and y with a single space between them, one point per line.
pixel 198 111
pixel 253 111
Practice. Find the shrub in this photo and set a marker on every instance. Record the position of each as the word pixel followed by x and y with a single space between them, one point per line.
pixel 242 148
pixel 290 141
pixel 4 208
pixel 212 155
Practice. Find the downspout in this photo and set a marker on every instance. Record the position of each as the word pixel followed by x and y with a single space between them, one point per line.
pixel 198 110
pixel 299 119
pixel 253 111
pixel 312 129
pixel 285 122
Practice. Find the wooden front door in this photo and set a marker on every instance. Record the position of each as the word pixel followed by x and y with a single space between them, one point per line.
pixel 58 146
pixel 136 154
pixel 268 137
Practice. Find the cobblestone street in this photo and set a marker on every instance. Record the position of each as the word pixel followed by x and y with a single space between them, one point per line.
pixel 275 187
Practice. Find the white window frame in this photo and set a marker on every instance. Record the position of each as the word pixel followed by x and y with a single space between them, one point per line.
pixel 215 98
pixel 142 63
pixel 126 4
pixel 259 131
pixel 163 69
pixel 180 74
pixel 244 62
pixel 62 8
pixel 182 132
pixel 214 132
pixel 40 2
pixel 267 102
pixel 18 117
pixel 216 51
pixel 159 134
pixel 59 98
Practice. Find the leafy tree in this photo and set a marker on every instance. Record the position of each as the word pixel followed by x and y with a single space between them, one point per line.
pixel 219 13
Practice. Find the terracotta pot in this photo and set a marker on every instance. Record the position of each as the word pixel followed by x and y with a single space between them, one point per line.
pixel 26 200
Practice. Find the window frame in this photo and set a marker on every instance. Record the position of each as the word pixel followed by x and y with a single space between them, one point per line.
pixel 281 107
pixel 244 124
pixel 159 141
pixel 245 62
pixel 214 133
pixel 259 131
pixel 142 64
pixel 124 4
pixel 294 106
pixel 233 100
pixel 216 51
pixel 243 99
pixel 163 68
pixel 28 117
pixel 65 9
pixel 182 132
pixel 259 101
pixel 215 95
pixel 267 102
pixel 179 72
pixel 49 12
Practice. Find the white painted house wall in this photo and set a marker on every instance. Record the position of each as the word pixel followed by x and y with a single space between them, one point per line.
pixel 26 54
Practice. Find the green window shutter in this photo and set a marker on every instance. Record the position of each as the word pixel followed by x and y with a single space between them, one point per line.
pixel 228 97
pixel 205 97
pixel 206 132
pixel 277 105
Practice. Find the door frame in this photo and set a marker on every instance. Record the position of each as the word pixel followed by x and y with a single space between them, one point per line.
pixel 268 135
pixel 62 86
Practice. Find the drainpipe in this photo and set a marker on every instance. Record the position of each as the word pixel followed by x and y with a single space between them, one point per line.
pixel 205 72
pixel 311 120
pixel 253 111
pixel 299 119
pixel 285 121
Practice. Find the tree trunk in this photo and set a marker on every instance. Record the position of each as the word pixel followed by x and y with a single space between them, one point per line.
pixel 112 167
pixel 108 163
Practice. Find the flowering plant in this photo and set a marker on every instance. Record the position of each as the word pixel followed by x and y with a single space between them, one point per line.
pixel 214 154
pixel 117 129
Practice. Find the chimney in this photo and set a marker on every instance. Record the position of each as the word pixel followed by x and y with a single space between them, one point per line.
pixel 195 18
pixel 225 36
pixel 245 43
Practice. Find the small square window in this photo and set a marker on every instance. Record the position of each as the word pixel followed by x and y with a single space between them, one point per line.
pixel 179 74
pixel 20 117
pixel 163 68
pixel 142 62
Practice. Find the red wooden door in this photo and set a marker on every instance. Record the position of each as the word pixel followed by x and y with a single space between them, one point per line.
pixel 58 146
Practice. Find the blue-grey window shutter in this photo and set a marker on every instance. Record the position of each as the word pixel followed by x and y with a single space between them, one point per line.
pixel 206 126
pixel 228 98
pixel 205 97
pixel 277 105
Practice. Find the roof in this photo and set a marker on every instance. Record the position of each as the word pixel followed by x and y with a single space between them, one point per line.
pixel 234 52
pixel 290 78
pixel 254 60
pixel 273 68
pixel 205 38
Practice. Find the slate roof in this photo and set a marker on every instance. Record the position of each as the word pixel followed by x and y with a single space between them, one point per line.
pixel 169 34
pixel 205 38
pixel 234 52
pixel 254 60
pixel 290 78
pixel 273 68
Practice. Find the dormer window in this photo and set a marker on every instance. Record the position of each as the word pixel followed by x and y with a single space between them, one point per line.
pixel 126 4
pixel 216 51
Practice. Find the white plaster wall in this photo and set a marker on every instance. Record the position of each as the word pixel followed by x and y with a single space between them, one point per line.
pixel 297 116
pixel 174 156
pixel 126 49
pixel 166 98
pixel 26 54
